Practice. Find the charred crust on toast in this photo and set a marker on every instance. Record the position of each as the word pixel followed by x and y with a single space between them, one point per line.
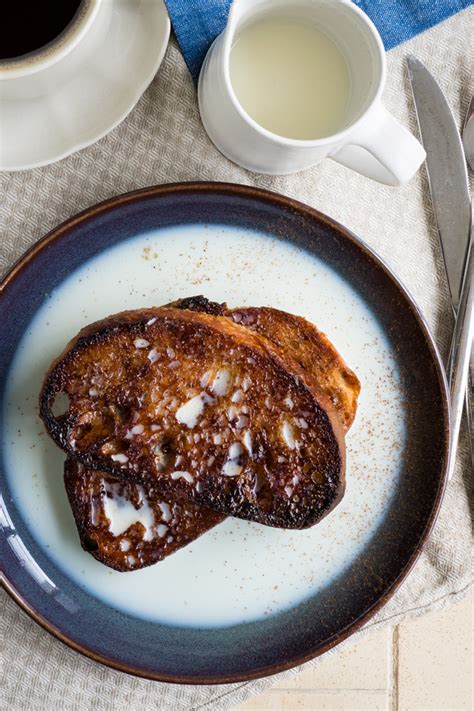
pixel 202 304
pixel 302 341
pixel 173 522
pixel 314 473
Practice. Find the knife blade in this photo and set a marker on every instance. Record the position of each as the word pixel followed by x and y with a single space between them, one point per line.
pixel 447 172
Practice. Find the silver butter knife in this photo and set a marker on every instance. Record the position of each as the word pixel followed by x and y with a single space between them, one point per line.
pixel 448 181
pixel 447 172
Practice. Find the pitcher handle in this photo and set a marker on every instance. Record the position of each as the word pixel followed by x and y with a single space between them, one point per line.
pixel 382 149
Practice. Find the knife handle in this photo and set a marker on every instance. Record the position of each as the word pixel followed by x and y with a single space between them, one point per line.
pixel 470 406
pixel 459 357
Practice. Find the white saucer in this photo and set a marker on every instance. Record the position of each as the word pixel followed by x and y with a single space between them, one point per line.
pixel 103 82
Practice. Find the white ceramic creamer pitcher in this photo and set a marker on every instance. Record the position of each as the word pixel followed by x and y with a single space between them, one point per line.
pixel 371 141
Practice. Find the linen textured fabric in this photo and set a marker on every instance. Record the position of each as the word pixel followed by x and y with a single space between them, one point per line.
pixel 163 140
pixel 197 23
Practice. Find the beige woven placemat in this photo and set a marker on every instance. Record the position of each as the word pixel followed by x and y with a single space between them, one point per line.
pixel 163 141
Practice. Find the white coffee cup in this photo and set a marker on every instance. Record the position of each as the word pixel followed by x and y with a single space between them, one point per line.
pixel 372 142
pixel 37 73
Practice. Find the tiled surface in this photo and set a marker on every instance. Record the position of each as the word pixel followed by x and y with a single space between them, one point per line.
pixel 363 666
pixel 435 661
pixel 422 665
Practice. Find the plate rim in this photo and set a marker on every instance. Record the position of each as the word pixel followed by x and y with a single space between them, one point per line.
pixel 282 201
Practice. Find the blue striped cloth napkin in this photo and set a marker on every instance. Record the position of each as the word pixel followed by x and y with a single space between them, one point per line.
pixel 198 22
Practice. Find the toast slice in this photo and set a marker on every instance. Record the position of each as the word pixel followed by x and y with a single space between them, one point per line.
pixel 128 526
pixel 87 490
pixel 205 409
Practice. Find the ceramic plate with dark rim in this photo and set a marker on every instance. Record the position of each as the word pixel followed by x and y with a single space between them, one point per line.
pixel 244 600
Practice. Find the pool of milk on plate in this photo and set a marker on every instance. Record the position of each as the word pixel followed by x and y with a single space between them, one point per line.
pixel 239 571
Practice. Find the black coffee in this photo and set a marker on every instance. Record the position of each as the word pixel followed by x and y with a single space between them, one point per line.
pixel 27 25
